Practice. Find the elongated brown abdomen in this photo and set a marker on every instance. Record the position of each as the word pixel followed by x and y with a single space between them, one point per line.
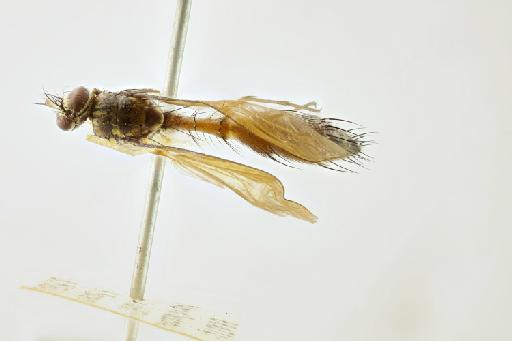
pixel 221 127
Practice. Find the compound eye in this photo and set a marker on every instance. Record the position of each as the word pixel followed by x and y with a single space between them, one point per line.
pixel 77 99
pixel 64 122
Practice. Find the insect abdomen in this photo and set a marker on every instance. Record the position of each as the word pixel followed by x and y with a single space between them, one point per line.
pixel 221 127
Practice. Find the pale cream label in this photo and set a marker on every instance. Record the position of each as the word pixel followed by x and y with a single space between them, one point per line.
pixel 187 320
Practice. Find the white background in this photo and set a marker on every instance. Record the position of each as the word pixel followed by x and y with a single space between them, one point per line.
pixel 416 248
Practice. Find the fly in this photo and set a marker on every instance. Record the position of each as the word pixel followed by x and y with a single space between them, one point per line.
pixel 138 121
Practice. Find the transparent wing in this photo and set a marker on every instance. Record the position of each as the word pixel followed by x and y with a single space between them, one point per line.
pixel 259 188
pixel 184 319
pixel 278 123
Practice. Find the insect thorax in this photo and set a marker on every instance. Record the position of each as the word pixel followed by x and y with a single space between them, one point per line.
pixel 120 115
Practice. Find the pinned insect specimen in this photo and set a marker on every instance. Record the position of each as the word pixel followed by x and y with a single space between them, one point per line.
pixel 137 121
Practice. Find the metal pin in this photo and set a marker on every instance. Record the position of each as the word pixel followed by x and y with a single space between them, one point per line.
pixel 146 234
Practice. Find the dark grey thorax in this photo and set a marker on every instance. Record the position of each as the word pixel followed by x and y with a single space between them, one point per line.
pixel 122 115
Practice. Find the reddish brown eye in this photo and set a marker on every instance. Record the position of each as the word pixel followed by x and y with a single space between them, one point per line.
pixel 64 123
pixel 77 99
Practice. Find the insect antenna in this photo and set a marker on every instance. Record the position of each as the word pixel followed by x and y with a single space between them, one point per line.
pixel 53 101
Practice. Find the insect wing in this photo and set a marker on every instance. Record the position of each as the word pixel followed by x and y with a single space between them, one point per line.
pixel 259 188
pixel 283 127
pixel 125 148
